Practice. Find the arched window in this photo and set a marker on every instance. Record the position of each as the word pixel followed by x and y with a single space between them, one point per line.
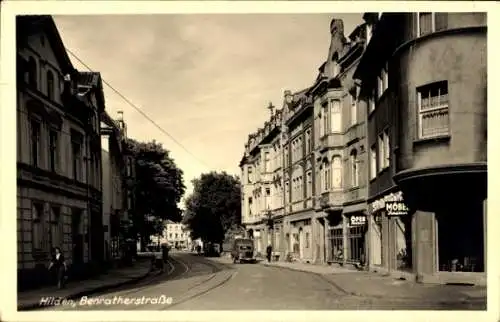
pixel 32 72
pixel 354 168
pixel 50 85
pixel 337 172
pixel 327 175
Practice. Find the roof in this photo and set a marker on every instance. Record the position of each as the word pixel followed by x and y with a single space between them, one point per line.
pixel 32 24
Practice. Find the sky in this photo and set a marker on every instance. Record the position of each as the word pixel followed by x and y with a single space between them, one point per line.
pixel 206 79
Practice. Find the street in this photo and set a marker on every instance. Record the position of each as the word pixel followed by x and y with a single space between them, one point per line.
pixel 200 283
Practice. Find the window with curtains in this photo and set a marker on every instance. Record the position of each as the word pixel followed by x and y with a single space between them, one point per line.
pixel 354 168
pixel 337 172
pixel 433 114
pixel 336 116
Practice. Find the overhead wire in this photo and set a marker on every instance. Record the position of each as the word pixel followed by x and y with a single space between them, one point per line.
pixel 140 111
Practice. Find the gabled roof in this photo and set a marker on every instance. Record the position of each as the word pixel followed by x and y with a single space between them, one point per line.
pixel 33 24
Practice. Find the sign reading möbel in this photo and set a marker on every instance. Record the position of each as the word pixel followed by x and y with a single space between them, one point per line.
pixel 396 208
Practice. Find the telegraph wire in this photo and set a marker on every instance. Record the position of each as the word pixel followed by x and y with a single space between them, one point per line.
pixel 139 110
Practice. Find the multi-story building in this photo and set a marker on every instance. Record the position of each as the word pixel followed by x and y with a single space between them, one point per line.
pixel 176 235
pixel 299 175
pixel 423 79
pixel 118 172
pixel 58 153
pixel 339 149
pixel 262 184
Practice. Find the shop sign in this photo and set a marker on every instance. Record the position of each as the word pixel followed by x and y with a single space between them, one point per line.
pixel 396 208
pixel 380 204
pixel 358 220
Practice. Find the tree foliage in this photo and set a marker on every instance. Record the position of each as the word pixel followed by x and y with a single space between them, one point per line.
pixel 214 207
pixel 159 187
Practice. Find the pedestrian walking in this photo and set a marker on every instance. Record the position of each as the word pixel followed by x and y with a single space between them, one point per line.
pixel 58 265
pixel 269 251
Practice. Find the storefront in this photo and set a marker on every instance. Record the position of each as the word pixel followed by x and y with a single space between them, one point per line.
pixel 300 239
pixel 390 231
pixel 356 241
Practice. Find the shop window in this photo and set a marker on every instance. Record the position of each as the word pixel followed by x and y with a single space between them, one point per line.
pixel 377 240
pixel 356 244
pixel 460 234
pixel 403 242
pixel 433 117
pixel 336 245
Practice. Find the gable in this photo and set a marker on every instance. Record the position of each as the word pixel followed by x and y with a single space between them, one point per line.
pixel 40 35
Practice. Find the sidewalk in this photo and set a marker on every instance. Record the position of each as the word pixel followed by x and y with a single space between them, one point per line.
pixel 369 284
pixel 29 300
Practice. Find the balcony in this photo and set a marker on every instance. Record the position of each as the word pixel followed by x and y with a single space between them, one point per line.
pixel 355 132
pixel 330 140
pixel 266 177
pixel 331 200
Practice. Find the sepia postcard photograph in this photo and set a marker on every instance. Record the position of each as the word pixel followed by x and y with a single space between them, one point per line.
pixel 240 160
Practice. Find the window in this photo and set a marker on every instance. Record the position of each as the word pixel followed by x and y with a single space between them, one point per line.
pixel 307 241
pixel 373 162
pixel 387 148
pixel 309 184
pixel 50 85
pixel 327 176
pixel 324 114
pixel 337 172
pixel 250 175
pixel 268 191
pixel 53 146
pixel 383 81
pixel 267 160
pixel 336 118
pixel 32 73
pixel 56 233
pixel 354 169
pixel 429 22
pixel 35 143
pixel 354 109
pixel 381 152
pixel 287 191
pixel 308 141
pixel 286 156
pixel 371 101
pixel 76 149
pixel 39 237
pixel 433 110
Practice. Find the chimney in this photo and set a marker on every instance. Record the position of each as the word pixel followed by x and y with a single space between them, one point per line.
pixel 288 96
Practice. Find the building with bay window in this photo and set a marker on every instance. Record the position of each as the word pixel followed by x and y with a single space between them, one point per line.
pixel 59 193
pixel 340 151
pixel 423 81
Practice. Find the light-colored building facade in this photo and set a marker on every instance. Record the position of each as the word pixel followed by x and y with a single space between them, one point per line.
pixel 263 184
pixel 176 235
pixel 58 153
pixel 118 174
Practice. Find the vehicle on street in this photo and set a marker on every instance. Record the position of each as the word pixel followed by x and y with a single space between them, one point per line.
pixel 242 250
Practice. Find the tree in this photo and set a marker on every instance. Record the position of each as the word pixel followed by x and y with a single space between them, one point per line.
pixel 159 187
pixel 214 207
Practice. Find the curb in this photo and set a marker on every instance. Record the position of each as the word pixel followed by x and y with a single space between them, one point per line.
pixel 34 306
pixel 465 299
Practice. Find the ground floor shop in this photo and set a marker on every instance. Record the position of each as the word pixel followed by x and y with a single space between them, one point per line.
pixel 298 236
pixel 346 239
pixel 390 234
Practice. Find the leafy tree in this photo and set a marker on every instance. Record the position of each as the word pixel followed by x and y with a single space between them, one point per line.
pixel 214 207
pixel 159 187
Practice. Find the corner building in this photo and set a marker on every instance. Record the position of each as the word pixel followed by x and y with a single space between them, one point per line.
pixel 423 79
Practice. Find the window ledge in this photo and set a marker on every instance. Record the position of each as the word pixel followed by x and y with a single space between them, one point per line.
pixel 431 140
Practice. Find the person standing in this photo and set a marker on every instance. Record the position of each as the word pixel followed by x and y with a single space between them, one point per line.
pixel 269 251
pixel 59 265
